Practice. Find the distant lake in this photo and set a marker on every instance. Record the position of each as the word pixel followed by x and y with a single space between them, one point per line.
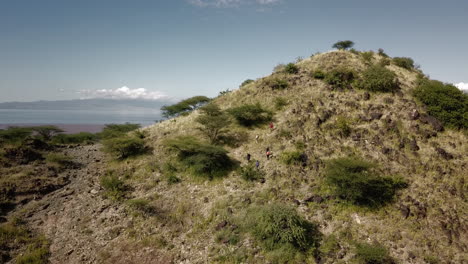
pixel 19 116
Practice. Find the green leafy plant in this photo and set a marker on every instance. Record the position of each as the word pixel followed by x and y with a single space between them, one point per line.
pixel 318 74
pixel 184 106
pixel 79 138
pixel 291 68
pixel 292 157
pixel 47 132
pixel 276 226
pixel 244 83
pixel 251 115
pixel 382 53
pixel 367 56
pixel 117 130
pixel 14 135
pixel 378 79
pixel 340 78
pixel 445 102
pixel 59 161
pixel 202 159
pixel 250 173
pixel 114 187
pixel 276 83
pixel 372 254
pixel 403 62
pixel 343 126
pixel 280 102
pixel 343 45
pixel 125 146
pixel 355 180
pixel 214 122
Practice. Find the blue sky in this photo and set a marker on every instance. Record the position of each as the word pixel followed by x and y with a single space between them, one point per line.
pixel 65 49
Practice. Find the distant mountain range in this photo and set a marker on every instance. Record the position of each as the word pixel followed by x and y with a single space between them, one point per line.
pixel 88 104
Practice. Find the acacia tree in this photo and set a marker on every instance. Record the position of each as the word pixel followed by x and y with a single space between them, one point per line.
pixel 184 106
pixel 343 45
pixel 214 122
pixel 47 132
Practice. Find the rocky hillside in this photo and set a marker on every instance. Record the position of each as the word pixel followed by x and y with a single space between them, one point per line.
pixel 354 176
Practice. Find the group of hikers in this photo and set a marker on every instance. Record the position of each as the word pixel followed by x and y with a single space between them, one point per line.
pixel 267 152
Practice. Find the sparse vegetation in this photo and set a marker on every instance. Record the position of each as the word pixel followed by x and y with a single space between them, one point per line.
pixel 343 126
pixel 184 106
pixel 117 130
pixel 250 173
pixel 445 102
pixel 378 79
pixel 367 56
pixel 318 74
pixel 79 138
pixel 114 187
pixel 372 254
pixel 201 159
pixel 404 62
pixel 280 102
pixel 251 115
pixel 355 180
pixel 292 157
pixel 343 45
pixel 59 161
pixel 276 83
pixel 244 83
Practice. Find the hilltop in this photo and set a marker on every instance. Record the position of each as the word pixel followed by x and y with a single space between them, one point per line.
pixel 182 194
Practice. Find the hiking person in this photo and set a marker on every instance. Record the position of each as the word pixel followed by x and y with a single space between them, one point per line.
pixel 257 164
pixel 248 157
pixel 272 126
pixel 268 153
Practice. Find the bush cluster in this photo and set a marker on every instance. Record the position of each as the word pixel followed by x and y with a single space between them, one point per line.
pixel 291 68
pixel 78 138
pixel 277 226
pixel 354 179
pixel 250 173
pixel 343 126
pixel 251 115
pixel 372 254
pixel 114 187
pixel 202 159
pixel 280 102
pixel 378 79
pixel 340 78
pixel 117 130
pixel 125 146
pixel 293 157
pixel 403 62
pixel 445 102
pixel 244 83
pixel 318 74
pixel 343 45
pixel 276 83
pixel 184 106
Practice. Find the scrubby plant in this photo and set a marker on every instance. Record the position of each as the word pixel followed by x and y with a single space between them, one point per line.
pixel 251 115
pixel 343 45
pixel 117 130
pixel 372 254
pixel 214 122
pixel 244 83
pixel 367 56
pixel 279 68
pixel 378 79
pixel 47 132
pixel 279 227
pixel 58 160
pixel 202 159
pixel 356 180
pixel 318 74
pixel 142 205
pixel 124 147
pixel 78 138
pixel 384 62
pixel 114 187
pixel 251 173
pixel 445 102
pixel 14 135
pixel 404 62
pixel 184 106
pixel 280 102
pixel 276 83
pixel 340 78
pixel 227 91
pixel 292 157
pixel 382 53
pixel 343 126
pixel 291 68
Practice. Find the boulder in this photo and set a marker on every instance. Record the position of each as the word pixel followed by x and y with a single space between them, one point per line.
pixel 444 154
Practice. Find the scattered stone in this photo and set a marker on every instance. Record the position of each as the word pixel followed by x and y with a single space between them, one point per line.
pixel 386 150
pixel 366 96
pixel 444 153
pixel 314 198
pixel 413 145
pixel 206 200
pixel 221 225
pixel 414 115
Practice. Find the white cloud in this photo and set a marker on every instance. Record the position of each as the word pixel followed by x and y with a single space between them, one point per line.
pixel 123 93
pixel 462 86
pixel 230 3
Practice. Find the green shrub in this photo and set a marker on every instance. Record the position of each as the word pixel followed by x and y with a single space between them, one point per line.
pixel 15 135
pixel 378 79
pixel 343 126
pixel 214 122
pixel 343 45
pixel 403 62
pixel 367 56
pixel 372 254
pixel 291 68
pixel 384 62
pixel 47 132
pixel 277 226
pixel 445 102
pixel 251 115
pixel 280 102
pixel 79 138
pixel 340 78
pixel 382 53
pixel 354 179
pixel 58 160
pixel 115 188
pixel 276 83
pixel 184 106
pixel 124 147
pixel 330 245
pixel 251 173
pixel 117 130
pixel 318 74
pixel 292 157
pixel 244 83
pixel 202 159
